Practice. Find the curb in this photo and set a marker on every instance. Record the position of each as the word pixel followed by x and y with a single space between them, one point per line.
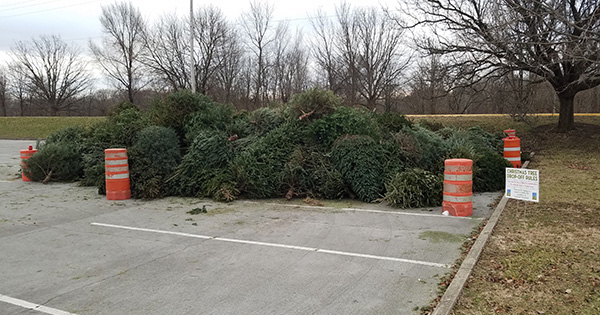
pixel 455 288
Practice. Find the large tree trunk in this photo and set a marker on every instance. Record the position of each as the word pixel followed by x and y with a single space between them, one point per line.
pixel 566 119
pixel 372 103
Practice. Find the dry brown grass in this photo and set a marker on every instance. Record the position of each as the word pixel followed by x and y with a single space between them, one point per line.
pixel 545 258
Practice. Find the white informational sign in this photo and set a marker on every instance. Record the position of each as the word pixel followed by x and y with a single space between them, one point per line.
pixel 522 184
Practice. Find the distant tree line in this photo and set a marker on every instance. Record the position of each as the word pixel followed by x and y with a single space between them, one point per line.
pixel 507 56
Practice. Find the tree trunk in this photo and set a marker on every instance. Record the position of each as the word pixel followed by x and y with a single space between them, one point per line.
pixel 130 95
pixel 596 105
pixel 53 111
pixel 372 103
pixel 566 119
pixel 3 105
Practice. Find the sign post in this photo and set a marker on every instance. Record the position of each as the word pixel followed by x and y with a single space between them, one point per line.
pixel 522 184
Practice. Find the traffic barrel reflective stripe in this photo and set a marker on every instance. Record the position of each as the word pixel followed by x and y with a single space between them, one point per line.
pixel 117 174
pixel 458 177
pixel 458 187
pixel 512 151
pixel 458 199
pixel 510 132
pixel 25 155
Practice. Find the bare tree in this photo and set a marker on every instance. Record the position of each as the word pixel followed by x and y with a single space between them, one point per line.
pixel 54 71
pixel 217 57
pixel 346 45
pixel 467 98
pixel 230 60
pixel 3 93
pixel 291 68
pixel 211 30
pixel 245 86
pixel 431 83
pixel 122 46
pixel 557 40
pixel 360 54
pixel 377 58
pixel 167 52
pixel 18 87
pixel 257 27
pixel 325 53
pixel 277 61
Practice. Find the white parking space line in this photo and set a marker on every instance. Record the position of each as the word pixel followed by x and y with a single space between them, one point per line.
pixel 32 306
pixel 309 249
pixel 364 210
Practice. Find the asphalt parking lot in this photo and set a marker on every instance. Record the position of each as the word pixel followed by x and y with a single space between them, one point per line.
pixel 66 249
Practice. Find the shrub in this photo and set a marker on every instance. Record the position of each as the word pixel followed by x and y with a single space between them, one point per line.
pixel 221 186
pixel 120 130
pixel 310 172
pixel 431 125
pixel 73 135
pixel 240 126
pixel 93 170
pixel 395 159
pixel 489 171
pixel 204 170
pixel 58 158
pixel 345 120
pixel 414 188
pixel 152 159
pixel 314 104
pixel 483 148
pixel 264 120
pixel 494 141
pixel 55 161
pixel 118 108
pixel 461 148
pixel 172 110
pixel 259 167
pixel 391 123
pixel 360 161
pixel 425 148
pixel 212 116
pixel 446 132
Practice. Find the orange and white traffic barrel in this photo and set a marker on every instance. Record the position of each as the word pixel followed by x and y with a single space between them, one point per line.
pixel 25 155
pixel 117 174
pixel 512 148
pixel 510 132
pixel 458 187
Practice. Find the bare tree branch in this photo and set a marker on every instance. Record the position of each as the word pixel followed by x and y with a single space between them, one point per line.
pixel 122 46
pixel 557 40
pixel 54 71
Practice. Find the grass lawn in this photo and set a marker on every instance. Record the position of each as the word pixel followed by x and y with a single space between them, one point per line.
pixel 39 127
pixel 544 258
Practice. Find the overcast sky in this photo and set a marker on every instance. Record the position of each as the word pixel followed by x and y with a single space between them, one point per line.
pixel 76 21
